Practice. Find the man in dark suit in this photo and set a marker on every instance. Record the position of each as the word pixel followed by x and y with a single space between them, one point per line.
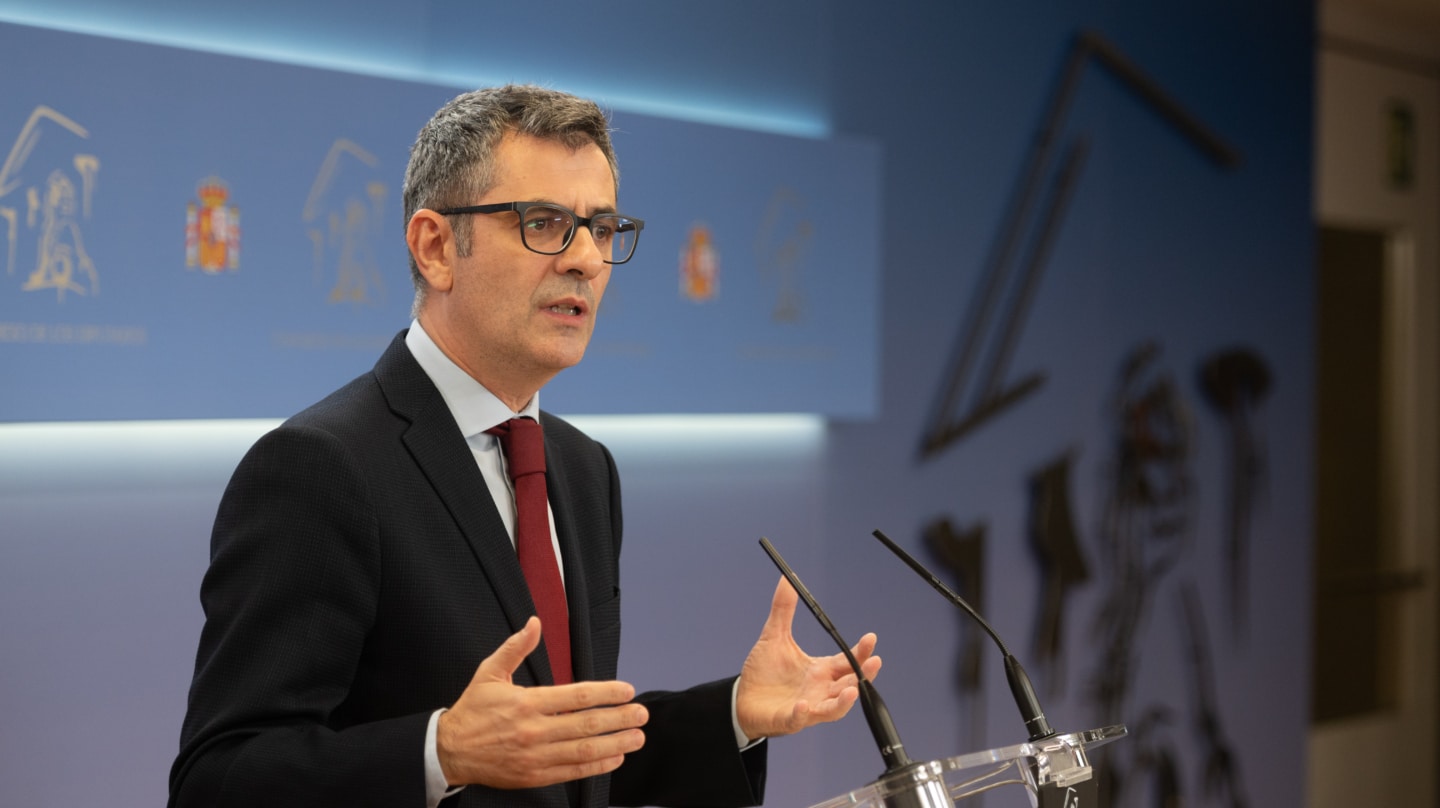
pixel 370 634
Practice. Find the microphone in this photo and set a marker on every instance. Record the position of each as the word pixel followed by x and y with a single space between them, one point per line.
pixel 906 784
pixel 877 715
pixel 1020 687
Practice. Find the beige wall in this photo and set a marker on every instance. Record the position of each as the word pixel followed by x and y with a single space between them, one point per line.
pixel 1371 53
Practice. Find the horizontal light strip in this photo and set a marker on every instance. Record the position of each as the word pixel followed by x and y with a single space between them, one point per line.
pixel 38 455
pixel 104 435
pixel 771 425
pixel 330 56
pixel 712 436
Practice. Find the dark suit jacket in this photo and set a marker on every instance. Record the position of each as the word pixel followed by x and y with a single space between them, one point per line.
pixel 359 574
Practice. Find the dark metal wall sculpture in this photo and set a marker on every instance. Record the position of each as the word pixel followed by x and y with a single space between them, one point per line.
pixel 1147 532
pixel 1057 547
pixel 1234 383
pixel 1220 769
pixel 1147 520
pixel 976 388
pixel 1146 527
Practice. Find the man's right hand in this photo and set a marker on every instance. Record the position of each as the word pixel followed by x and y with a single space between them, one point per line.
pixel 505 736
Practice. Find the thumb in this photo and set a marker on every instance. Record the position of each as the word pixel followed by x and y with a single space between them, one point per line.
pixel 782 608
pixel 501 665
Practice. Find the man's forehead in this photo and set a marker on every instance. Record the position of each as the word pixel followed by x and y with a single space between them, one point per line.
pixel 553 166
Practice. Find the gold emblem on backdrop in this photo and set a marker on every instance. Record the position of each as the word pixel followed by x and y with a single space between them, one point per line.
pixel 212 229
pixel 780 249
pixel 343 218
pixel 48 213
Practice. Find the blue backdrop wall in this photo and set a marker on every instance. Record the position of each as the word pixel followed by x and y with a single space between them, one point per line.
pixel 1084 392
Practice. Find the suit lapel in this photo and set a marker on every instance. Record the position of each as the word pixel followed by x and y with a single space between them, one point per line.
pixel 437 447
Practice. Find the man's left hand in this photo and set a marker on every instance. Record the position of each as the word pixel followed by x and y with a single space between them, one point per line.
pixel 783 690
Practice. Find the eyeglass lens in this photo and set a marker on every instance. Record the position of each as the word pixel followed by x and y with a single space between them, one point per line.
pixel 548 230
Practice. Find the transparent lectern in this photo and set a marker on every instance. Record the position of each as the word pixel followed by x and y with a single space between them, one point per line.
pixel 1052 771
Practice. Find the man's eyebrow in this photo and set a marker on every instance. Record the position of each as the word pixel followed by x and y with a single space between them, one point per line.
pixel 594 211
pixel 604 207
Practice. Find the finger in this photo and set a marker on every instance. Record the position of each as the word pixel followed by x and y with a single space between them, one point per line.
pixel 580 771
pixel 837 666
pixel 592 724
pixel 871 667
pixel 835 708
pixel 584 751
pixel 588 760
pixel 800 716
pixel 844 680
pixel 582 696
pixel 782 607
pixel 562 763
pixel 603 722
pixel 865 647
pixel 502 664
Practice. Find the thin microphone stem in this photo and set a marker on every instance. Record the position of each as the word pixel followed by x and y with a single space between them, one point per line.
pixel 941 588
pixel 810 603
pixel 877 715
pixel 1020 687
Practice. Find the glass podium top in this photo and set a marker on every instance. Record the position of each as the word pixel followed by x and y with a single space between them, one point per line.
pixel 1059 761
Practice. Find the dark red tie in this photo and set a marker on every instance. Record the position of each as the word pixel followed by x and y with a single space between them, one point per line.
pixel 524 447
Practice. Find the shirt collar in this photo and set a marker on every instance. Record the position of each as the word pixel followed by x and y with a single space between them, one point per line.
pixel 474 408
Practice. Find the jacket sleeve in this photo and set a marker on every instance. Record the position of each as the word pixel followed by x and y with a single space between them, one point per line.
pixel 690 758
pixel 289 596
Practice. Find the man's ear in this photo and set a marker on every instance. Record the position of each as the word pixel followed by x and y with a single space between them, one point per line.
pixel 432 245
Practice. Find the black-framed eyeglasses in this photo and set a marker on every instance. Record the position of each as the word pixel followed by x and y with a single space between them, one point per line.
pixel 548 229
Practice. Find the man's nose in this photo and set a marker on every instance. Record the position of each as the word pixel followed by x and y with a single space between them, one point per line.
pixel 583 255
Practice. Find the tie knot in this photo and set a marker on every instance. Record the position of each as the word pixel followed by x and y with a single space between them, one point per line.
pixel 523 443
